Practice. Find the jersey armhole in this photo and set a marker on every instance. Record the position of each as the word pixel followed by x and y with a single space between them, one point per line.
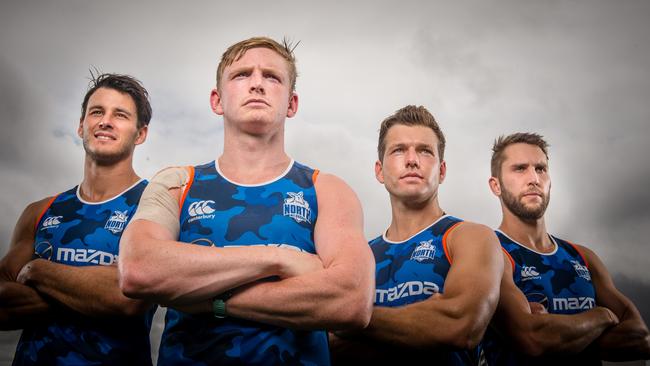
pixel 315 175
pixel 47 207
pixel 444 240
pixel 584 259
pixel 512 261
pixel 186 190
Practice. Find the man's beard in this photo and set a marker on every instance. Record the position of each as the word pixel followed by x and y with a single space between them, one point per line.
pixel 522 211
pixel 108 159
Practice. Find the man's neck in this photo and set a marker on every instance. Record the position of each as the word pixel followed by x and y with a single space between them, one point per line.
pixel 531 233
pixel 252 159
pixel 102 182
pixel 410 219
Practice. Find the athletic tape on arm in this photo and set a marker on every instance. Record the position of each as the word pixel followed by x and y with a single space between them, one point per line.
pixel 157 204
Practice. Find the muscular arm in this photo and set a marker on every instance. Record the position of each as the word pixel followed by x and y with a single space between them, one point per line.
pixel 153 265
pixel 335 297
pixel 20 305
pixel 89 290
pixel 543 334
pixel 629 339
pixel 465 307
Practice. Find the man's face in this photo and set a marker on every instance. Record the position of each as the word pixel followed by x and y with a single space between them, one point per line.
pixel 109 127
pixel 256 92
pixel 411 170
pixel 524 185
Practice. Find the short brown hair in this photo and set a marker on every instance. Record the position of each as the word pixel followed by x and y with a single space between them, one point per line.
pixel 125 84
pixel 502 142
pixel 236 51
pixel 410 116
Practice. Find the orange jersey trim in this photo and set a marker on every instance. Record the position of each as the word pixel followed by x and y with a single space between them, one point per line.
pixel 186 190
pixel 512 261
pixel 315 175
pixel 444 240
pixel 49 203
pixel 579 252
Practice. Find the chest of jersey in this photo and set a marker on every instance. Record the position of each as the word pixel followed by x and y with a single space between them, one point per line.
pixel 77 233
pixel 560 280
pixel 413 270
pixel 217 212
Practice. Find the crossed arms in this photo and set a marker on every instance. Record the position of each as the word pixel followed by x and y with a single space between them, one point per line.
pixel 332 289
pixel 463 310
pixel 31 288
pixel 614 327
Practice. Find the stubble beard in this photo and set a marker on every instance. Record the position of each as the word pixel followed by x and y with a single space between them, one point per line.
pixel 112 158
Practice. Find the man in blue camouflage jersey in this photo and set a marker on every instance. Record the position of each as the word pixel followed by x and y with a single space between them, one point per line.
pixel 254 254
pixel 558 302
pixel 437 276
pixel 59 279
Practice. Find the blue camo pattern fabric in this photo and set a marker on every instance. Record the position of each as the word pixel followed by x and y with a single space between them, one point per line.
pixel 412 271
pixel 560 281
pixel 77 233
pixel 220 213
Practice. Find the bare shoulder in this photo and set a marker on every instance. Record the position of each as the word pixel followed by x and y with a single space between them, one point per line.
pixel 473 232
pixel 334 188
pixel 34 210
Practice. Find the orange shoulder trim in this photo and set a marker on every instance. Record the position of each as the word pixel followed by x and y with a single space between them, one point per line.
pixel 315 175
pixel 444 240
pixel 49 203
pixel 512 261
pixel 186 189
pixel 579 252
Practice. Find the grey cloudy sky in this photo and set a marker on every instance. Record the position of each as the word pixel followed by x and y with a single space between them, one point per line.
pixel 577 72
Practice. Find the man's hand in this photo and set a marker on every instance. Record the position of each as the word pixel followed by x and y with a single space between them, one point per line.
pixel 537 308
pixel 299 263
pixel 26 274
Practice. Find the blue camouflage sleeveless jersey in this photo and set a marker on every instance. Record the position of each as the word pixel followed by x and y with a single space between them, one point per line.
pixel 412 271
pixel 559 280
pixel 220 213
pixel 78 233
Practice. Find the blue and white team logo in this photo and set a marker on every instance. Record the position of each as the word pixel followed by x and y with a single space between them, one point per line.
pixel 201 210
pixel 529 273
pixel 425 250
pixel 116 222
pixel 296 207
pixel 51 222
pixel 581 270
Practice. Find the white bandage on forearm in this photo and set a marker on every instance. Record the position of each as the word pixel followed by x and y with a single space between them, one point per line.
pixel 157 204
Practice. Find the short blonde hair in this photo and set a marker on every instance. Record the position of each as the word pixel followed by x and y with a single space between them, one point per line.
pixel 236 51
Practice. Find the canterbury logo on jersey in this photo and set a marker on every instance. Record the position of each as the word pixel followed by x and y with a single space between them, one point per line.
pixel 51 222
pixel 296 207
pixel 573 303
pixel 529 273
pixel 410 288
pixel 85 256
pixel 200 210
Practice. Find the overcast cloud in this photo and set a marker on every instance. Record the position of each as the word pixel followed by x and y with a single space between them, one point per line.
pixel 575 71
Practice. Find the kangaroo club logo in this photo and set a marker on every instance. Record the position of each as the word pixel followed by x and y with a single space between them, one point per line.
pixel 296 207
pixel 425 250
pixel 116 222
pixel 581 270
pixel 201 210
